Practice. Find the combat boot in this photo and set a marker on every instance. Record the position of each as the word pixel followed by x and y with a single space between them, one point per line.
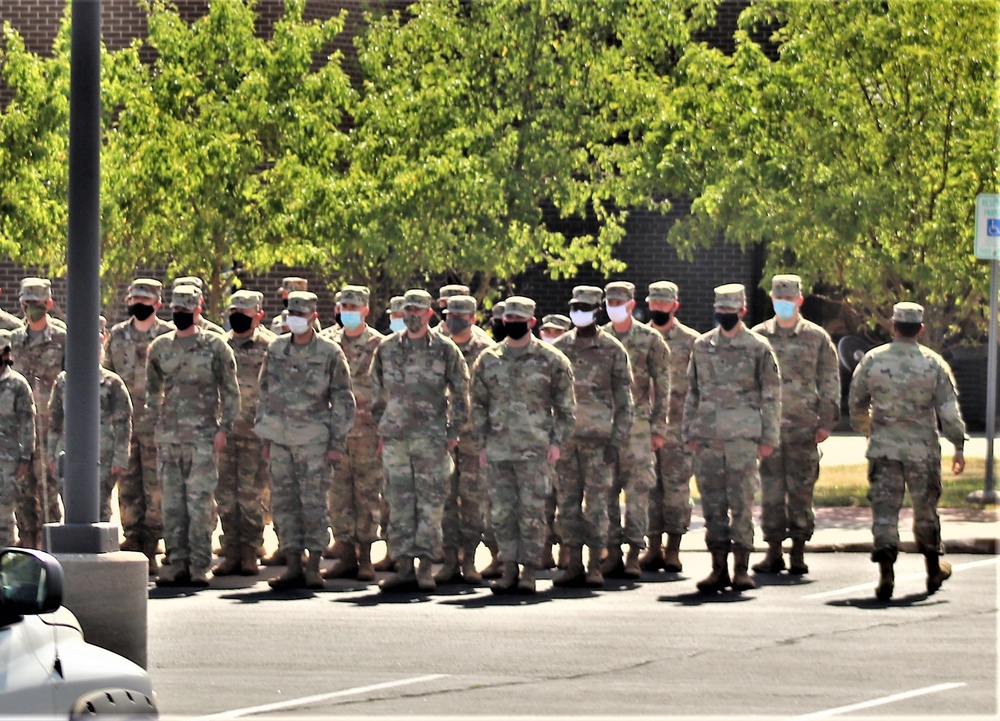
pixel 448 573
pixel 469 572
pixel 741 579
pixel 149 549
pixel 345 564
pixel 175 574
pixel 425 576
pixel 594 578
pixel 773 562
pixel 938 571
pixel 548 560
pixel 632 569
pixel 652 558
pixel 313 578
pixel 293 577
pixel 248 560
pixel 507 583
pixel 336 549
pixel 563 562
pixel 612 565
pixel 278 558
pixel 495 568
pixel 796 559
pixel 386 564
pixel 133 542
pixel 403 580
pixel 886 577
pixel 526 583
pixel 231 562
pixel 366 571
pixel 718 579
pixel 672 554
pixel 200 577
pixel 573 574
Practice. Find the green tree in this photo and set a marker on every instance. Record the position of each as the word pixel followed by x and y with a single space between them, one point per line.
pixel 854 153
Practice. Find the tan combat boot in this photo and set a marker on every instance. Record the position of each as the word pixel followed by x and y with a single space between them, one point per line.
pixel 366 571
pixel 495 568
pixel 796 559
pixel 773 562
pixel 612 565
pixel 230 563
pixel 336 549
pixel 632 569
pixel 741 579
pixel 425 575
pixel 672 554
pixel 149 548
pixel 174 574
pixel 403 580
pixel 886 578
pixel 469 572
pixel 594 578
pixel 526 583
pixel 293 577
pixel 573 574
pixel 547 560
pixel 313 578
pixel 938 571
pixel 388 563
pixel 718 580
pixel 345 564
pixel 278 558
pixel 448 573
pixel 563 562
pixel 507 582
pixel 652 558
pixel 248 560
pixel 200 577
pixel 133 541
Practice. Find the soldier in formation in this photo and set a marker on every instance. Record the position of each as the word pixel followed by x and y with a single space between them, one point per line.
pixel 17 436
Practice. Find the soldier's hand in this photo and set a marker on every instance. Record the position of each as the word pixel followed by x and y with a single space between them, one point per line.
pixel 822 434
pixel 265 451
pixel 219 442
pixel 610 455
pixel 692 446
pixel 379 449
pixel 22 469
pixel 764 451
pixel 117 470
pixel 482 458
pixel 452 444
pixel 52 467
pixel 553 455
pixel 334 457
pixel 657 442
pixel 958 463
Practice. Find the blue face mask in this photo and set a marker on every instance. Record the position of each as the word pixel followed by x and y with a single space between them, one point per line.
pixel 396 324
pixel 350 319
pixel 784 309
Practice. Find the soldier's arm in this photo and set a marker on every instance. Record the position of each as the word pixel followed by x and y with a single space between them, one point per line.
pixel 57 419
pixel 261 389
pixel 109 362
pixel 659 375
pixel 458 396
pixel 563 401
pixel 122 423
pixel 154 385
pixel 948 410
pixel 378 388
pixel 624 407
pixel 343 405
pixel 860 400
pixel 229 387
pixel 770 398
pixel 479 402
pixel 828 381
pixel 691 400
pixel 24 409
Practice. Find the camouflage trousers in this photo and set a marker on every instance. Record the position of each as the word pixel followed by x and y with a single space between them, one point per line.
pixel 140 496
pixel 242 479
pixel 518 490
pixel 106 480
pixel 584 484
pixel 727 477
pixel 634 475
pixel 787 479
pixel 300 479
pixel 670 498
pixel 887 481
pixel 188 475
pixel 416 475
pixel 354 493
pixel 553 530
pixel 37 495
pixel 8 492
pixel 465 505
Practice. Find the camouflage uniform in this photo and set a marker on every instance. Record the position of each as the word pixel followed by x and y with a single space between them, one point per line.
pixel 523 402
pixel 243 474
pixel 305 411
pixel 39 357
pixel 191 394
pixel 634 473
pixel 899 393
pixel 9 321
pixel 604 413
pixel 288 285
pixel 733 406
pixel 116 430
pixel 810 401
pixel 203 322
pixel 17 438
pixel 140 497
pixel 420 389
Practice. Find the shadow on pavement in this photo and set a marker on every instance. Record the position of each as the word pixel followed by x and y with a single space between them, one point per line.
pixel 700 599
pixel 872 603
pixel 508 599
pixel 377 598
pixel 269 594
pixel 780 579
pixel 663 577
pixel 155 592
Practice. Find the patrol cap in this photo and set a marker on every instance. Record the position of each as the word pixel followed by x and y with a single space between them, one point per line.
pixel 102 324
pixel 619 290
pixel 247 300
pixel 417 298
pixel 293 282
pixel 396 304
pixel 4 339
pixel 278 322
pixel 518 306
pixel 555 320
pixel 260 296
pixel 731 296
pixel 145 288
pixel 663 290
pixel 907 312
pixel 302 301
pixel 186 297
pixel 461 304
pixel 786 286
pixel 189 280
pixel 447 291
pixel 587 295
pixel 498 309
pixel 35 289
pixel 355 295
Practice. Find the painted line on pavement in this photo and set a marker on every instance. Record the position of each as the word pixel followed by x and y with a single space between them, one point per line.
pixel 878 701
pixel 308 700
pixel 910 577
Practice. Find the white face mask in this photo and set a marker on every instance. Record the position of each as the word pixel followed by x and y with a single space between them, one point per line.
pixel 583 318
pixel 297 325
pixel 617 313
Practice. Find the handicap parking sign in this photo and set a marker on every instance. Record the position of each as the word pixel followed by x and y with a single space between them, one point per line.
pixel 988 226
pixel 993 227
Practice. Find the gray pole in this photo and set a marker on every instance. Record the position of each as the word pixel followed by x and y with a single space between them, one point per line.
pixel 991 383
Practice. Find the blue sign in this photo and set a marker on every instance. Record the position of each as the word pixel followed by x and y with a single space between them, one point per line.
pixel 988 226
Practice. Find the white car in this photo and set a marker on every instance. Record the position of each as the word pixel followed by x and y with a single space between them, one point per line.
pixel 47 670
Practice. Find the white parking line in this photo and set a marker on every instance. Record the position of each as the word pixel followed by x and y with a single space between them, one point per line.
pixel 878 701
pixel 308 700
pixel 910 577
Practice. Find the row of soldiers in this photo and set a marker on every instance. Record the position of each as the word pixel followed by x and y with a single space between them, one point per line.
pixel 446 437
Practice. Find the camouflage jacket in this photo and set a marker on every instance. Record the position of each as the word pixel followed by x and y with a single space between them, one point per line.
pixel 649 358
pixel 9 321
pixel 420 387
pixel 191 392
pixel 471 350
pixel 305 394
pixel 17 417
pixel 810 376
pixel 115 415
pixel 359 352
pixel 125 353
pixel 734 389
pixel 522 400
pixel 40 360
pixel 602 381
pixel 205 324
pixel 680 338
pixel 899 393
pixel 249 353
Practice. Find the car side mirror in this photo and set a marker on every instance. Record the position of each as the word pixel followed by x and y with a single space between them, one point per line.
pixel 31 583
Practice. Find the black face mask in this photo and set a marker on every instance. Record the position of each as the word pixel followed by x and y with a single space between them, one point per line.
pixel 516 330
pixel 240 323
pixel 5 359
pixel 284 303
pixel 727 321
pixel 140 311
pixel 499 329
pixel 456 326
pixel 660 317
pixel 183 320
